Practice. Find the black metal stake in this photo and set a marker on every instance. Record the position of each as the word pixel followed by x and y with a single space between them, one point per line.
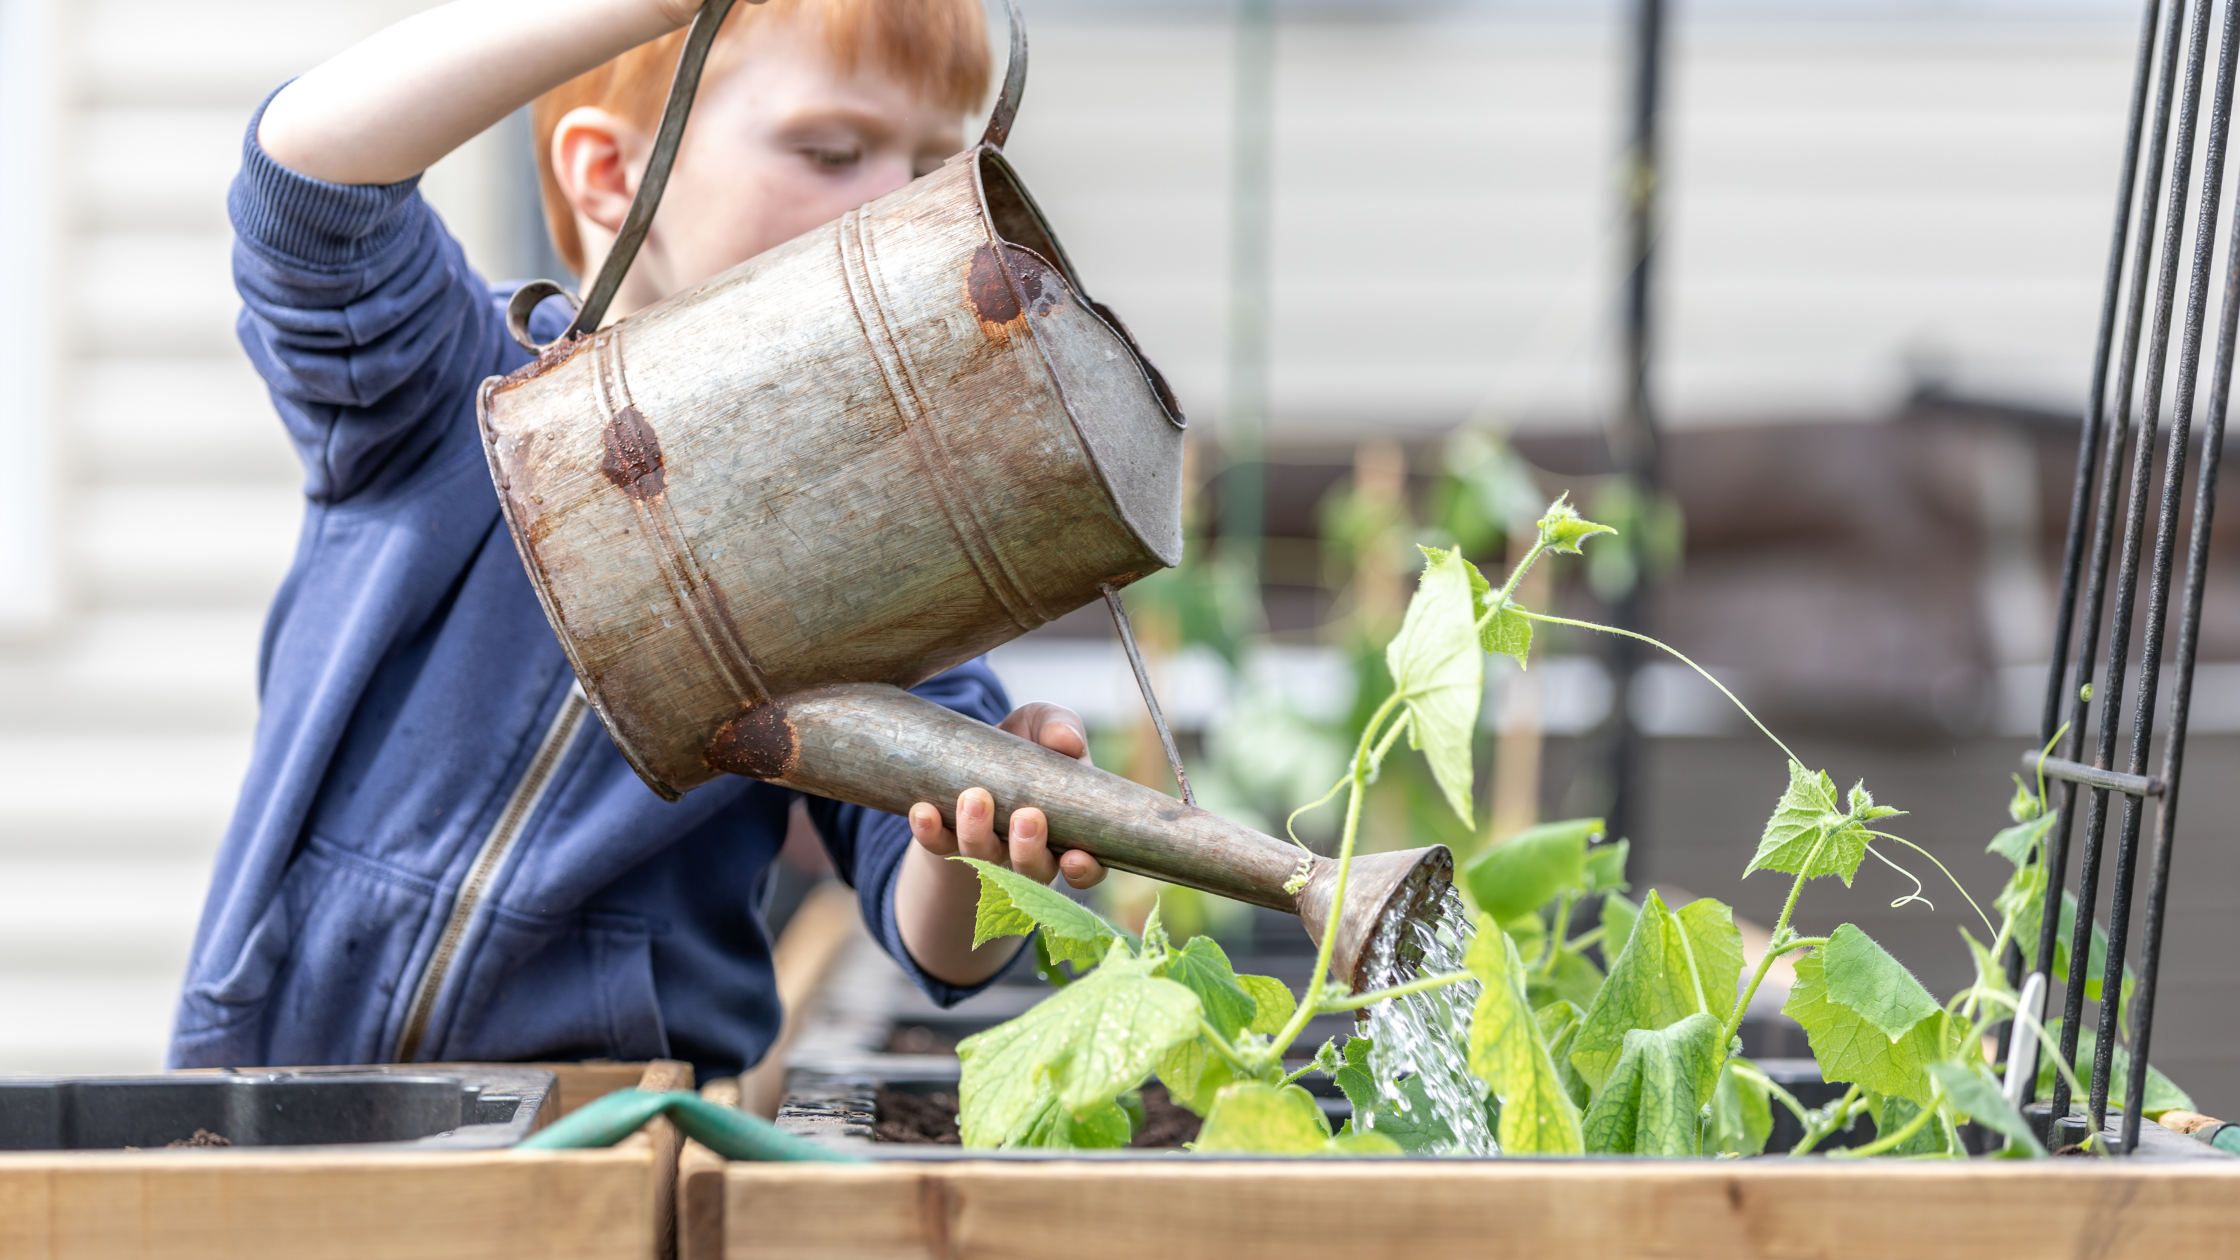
pixel 2158 590
pixel 2103 538
pixel 2101 451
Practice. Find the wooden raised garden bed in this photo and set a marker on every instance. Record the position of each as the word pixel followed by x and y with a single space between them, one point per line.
pixel 1185 1208
pixel 942 1203
pixel 302 1203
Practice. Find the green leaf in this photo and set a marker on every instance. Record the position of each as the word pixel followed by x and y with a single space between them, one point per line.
pixel 1741 1112
pixel 1851 1047
pixel 1273 1003
pixel 1088 1041
pixel 1531 868
pixel 1194 1073
pixel 1508 1053
pixel 1506 633
pixel 2019 844
pixel 1975 1093
pixel 1659 1084
pixel 1155 941
pixel 1863 976
pixel 2024 901
pixel 1559 1027
pixel 1572 979
pixel 1673 965
pixel 1364 1144
pixel 2025 804
pixel 1606 867
pixel 2162 1093
pixel 1619 914
pixel 1809 826
pixel 1562 529
pixel 1250 1116
pixel 1204 969
pixel 1050 1125
pixel 1440 673
pixel 1013 905
pixel 1416 1126
pixel 1530 933
pixel 1353 1078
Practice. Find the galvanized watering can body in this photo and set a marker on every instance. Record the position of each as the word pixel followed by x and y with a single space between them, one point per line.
pixel 867 455
pixel 758 510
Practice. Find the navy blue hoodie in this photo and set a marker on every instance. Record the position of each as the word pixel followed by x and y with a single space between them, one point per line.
pixel 438 855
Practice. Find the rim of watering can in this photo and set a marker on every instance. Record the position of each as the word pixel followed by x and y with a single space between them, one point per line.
pixel 667 138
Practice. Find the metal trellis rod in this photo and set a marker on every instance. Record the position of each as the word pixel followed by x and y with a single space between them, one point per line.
pixel 2116 421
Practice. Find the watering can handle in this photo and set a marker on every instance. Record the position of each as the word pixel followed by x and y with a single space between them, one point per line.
pixel 682 89
pixel 1014 82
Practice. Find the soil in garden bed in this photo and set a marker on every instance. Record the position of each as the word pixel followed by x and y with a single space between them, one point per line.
pixel 904 1116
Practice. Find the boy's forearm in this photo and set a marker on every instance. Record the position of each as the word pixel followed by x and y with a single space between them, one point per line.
pixel 388 108
pixel 935 904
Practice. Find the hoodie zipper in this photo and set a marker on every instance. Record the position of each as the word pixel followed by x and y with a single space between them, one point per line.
pixel 507 829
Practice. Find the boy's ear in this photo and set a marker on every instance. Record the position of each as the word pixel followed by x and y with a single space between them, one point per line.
pixel 598 158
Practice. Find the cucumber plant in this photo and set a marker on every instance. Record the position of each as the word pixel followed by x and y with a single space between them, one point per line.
pixel 1642 1059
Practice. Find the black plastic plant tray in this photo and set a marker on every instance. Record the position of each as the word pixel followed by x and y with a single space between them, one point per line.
pixel 393 1108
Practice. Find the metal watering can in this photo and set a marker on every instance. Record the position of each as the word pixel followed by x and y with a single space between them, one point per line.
pixel 757 511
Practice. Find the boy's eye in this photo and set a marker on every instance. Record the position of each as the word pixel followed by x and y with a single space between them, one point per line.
pixel 832 160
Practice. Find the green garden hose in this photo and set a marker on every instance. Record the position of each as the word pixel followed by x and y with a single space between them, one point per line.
pixel 727 1131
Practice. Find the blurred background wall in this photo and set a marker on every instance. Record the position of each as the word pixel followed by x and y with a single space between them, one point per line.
pixel 1882 231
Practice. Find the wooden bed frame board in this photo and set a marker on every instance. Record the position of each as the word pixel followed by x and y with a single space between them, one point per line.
pixel 613 1204
pixel 1490 1210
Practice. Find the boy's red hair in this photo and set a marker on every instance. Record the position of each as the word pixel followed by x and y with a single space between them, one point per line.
pixel 937 47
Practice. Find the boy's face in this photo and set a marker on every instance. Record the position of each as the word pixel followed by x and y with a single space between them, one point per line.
pixel 782 142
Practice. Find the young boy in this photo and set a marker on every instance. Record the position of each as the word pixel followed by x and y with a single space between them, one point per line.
pixel 436 856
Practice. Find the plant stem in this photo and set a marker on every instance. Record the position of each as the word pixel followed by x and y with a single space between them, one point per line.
pixel 1675 654
pixel 1516 575
pixel 1894 1140
pixel 1222 1047
pixel 1365 755
pixel 1419 985
pixel 1582 940
pixel 1776 946
pixel 1773 1087
pixel 1837 1117
pixel 1557 947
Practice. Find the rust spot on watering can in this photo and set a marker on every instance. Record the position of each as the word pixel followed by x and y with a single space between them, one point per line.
pixel 997 283
pixel 990 290
pixel 759 744
pixel 633 460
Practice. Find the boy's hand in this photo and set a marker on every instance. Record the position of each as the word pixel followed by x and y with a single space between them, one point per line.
pixel 1027 848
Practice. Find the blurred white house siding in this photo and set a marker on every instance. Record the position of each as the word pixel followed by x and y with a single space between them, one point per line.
pixel 1850 198
pixel 169 502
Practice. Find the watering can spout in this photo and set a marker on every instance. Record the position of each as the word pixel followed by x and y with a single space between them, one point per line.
pixel 880 746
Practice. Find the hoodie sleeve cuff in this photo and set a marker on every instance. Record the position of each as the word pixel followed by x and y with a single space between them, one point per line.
pixel 311 221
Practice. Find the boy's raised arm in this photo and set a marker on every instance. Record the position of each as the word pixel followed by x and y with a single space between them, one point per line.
pixel 388 108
